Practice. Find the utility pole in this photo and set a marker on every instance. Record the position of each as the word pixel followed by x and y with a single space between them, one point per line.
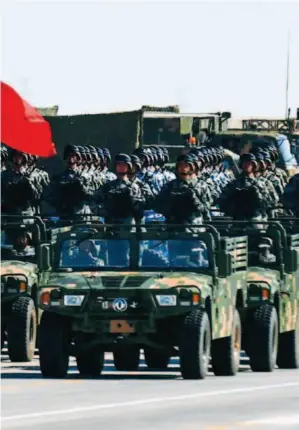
pixel 288 76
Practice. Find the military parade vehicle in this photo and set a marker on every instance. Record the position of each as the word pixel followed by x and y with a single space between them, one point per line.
pixel 166 291
pixel 21 239
pixel 270 317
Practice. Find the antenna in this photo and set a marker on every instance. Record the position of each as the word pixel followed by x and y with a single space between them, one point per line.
pixel 287 114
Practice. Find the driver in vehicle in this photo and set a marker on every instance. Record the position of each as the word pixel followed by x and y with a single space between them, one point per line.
pixel 85 255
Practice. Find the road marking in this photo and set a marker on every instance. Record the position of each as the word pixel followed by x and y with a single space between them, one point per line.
pixel 147 401
pixel 281 420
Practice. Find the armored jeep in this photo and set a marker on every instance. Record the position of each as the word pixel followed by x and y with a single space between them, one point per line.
pixel 167 291
pixel 270 319
pixel 20 279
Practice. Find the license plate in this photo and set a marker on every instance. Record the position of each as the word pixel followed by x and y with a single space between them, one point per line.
pixel 121 326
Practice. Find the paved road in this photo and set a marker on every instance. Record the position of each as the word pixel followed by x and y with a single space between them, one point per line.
pixel 148 401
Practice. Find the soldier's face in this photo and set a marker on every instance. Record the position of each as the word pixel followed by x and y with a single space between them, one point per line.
pixel 121 168
pixel 72 159
pixel 184 169
pixel 247 167
pixel 22 241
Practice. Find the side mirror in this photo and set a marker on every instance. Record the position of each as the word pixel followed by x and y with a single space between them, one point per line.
pixel 44 257
pixel 291 260
pixel 224 264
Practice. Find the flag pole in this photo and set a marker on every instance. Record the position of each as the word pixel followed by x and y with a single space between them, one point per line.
pixel 288 76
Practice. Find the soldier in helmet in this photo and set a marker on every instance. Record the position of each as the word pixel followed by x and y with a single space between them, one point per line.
pixel 72 191
pixel 20 190
pixel 121 201
pixel 245 198
pixel 145 189
pixel 110 176
pixel 180 200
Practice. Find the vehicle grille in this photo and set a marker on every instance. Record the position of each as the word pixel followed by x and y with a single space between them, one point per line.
pixel 135 281
pixel 112 281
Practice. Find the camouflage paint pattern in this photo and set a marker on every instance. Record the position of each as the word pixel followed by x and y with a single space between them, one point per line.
pixel 222 296
pixel 288 291
pixel 16 268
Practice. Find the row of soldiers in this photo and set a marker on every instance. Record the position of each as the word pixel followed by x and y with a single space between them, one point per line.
pixel 140 183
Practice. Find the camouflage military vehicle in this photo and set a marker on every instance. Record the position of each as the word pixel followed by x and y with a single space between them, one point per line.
pixel 169 292
pixel 270 319
pixel 20 279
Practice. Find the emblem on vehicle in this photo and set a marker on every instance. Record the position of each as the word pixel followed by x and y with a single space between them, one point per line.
pixel 120 305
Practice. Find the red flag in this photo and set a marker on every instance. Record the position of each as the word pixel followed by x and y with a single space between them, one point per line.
pixel 22 126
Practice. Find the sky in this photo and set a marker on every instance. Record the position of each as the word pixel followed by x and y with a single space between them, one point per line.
pixel 91 57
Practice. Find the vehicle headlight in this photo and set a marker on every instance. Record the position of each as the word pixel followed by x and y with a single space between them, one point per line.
pixel 73 300
pixel 167 300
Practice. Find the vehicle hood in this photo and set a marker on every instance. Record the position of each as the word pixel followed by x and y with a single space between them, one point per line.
pixel 100 280
pixel 260 274
pixel 16 267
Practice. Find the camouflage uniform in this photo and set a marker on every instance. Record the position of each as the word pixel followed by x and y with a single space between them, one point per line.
pixel 181 202
pixel 20 193
pixel 244 198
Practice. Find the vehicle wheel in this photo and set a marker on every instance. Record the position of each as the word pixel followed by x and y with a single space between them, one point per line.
pixel 126 358
pixel 195 345
pixel 226 351
pixel 53 346
pixel 263 344
pixel 21 330
pixel 288 348
pixel 156 359
pixel 91 364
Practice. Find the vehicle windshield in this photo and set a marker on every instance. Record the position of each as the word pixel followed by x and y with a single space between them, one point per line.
pixel 93 253
pixel 16 243
pixel 173 254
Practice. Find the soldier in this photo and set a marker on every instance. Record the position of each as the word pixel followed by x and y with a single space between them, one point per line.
pixel 110 176
pixel 180 200
pixel 245 198
pixel 71 192
pixel 145 189
pixel 170 176
pixel 122 201
pixel 20 190
pixel 263 181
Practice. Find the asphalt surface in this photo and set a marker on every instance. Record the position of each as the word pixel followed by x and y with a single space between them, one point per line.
pixel 146 400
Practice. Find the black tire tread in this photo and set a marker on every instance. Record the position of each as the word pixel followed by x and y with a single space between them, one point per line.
pixel 20 349
pixel 261 339
pixel 192 332
pixel 223 353
pixel 53 346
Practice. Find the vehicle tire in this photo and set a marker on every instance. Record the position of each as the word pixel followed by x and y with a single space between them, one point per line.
pixel 91 364
pixel 288 348
pixel 21 330
pixel 126 358
pixel 156 359
pixel 53 345
pixel 195 345
pixel 226 351
pixel 263 343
